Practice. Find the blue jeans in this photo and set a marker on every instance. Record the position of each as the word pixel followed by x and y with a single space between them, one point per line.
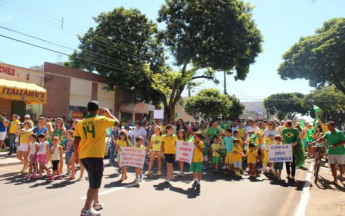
pixel 12 137
pixel 112 150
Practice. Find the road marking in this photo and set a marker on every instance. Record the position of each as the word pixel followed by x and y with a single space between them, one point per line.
pixel 10 169
pixel 303 203
pixel 114 189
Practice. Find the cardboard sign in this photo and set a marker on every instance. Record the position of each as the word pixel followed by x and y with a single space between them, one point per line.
pixel 158 114
pixel 133 157
pixel 280 153
pixel 184 151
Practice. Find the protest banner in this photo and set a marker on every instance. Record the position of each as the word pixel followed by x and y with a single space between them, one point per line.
pixel 280 153
pixel 133 157
pixel 184 151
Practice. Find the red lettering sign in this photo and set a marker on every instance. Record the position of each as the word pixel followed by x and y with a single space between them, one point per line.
pixel 7 70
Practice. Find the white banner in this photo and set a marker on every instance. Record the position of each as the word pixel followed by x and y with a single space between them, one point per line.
pixel 158 114
pixel 280 153
pixel 184 151
pixel 133 157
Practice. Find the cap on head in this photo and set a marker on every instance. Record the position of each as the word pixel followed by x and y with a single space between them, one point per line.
pixel 27 116
pixel 92 106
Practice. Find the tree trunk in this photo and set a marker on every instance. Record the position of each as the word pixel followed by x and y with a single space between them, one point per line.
pixel 169 112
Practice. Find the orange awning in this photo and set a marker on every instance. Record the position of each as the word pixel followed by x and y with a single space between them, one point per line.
pixel 20 91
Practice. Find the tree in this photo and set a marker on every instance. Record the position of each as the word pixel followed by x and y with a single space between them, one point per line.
pixel 330 99
pixel 318 58
pixel 206 36
pixel 236 109
pixel 209 103
pixel 203 36
pixel 121 45
pixel 285 105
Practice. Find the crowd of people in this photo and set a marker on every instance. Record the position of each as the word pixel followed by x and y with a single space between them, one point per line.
pixel 236 147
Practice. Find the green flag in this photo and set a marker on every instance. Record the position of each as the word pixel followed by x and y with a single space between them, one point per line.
pixel 175 116
pixel 302 124
pixel 315 125
pixel 316 108
pixel 191 139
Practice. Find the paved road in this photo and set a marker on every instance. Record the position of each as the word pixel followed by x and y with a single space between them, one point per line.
pixel 220 194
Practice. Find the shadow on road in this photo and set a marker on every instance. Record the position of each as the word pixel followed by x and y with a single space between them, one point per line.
pixel 60 184
pixel 325 184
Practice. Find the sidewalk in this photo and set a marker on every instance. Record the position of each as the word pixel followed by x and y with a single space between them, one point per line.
pixel 6 160
pixel 326 198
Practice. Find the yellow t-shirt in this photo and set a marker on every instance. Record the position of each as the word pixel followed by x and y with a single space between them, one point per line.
pixel 122 143
pixel 24 137
pixel 215 149
pixel 237 157
pixel 197 154
pixel 14 126
pixel 156 143
pixel 252 156
pixel 140 147
pixel 241 132
pixel 169 142
pixel 92 134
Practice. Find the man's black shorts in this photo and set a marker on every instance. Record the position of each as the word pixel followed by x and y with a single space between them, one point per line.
pixel 94 167
pixel 169 158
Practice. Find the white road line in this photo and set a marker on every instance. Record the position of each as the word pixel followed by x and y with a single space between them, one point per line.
pixel 114 189
pixel 302 206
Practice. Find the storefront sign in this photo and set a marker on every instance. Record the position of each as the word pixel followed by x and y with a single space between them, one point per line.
pixel 23 92
pixel 184 151
pixel 7 70
pixel 133 157
pixel 77 115
pixel 280 153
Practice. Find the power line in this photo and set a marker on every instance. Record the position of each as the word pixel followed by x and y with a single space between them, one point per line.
pixel 104 42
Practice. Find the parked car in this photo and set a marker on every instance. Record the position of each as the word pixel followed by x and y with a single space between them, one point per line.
pixel 107 145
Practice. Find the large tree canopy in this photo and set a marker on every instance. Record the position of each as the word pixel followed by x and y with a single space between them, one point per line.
pixel 330 100
pixel 236 109
pixel 318 58
pixel 285 105
pixel 119 47
pixel 204 36
pixel 209 103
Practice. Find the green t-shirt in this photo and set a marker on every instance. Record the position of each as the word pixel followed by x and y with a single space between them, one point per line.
pixel 290 135
pixel 333 139
pixel 212 132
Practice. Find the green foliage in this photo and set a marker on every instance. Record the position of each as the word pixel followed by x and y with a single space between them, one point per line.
pixel 236 109
pixel 217 34
pixel 209 103
pixel 124 41
pixel 330 100
pixel 318 58
pixel 285 104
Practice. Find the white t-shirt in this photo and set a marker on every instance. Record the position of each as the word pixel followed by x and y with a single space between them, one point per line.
pixel 42 149
pixel 139 132
pixel 268 132
pixel 33 147
pixel 249 128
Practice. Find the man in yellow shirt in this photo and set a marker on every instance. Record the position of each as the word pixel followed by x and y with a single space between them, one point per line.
pixel 196 166
pixel 89 146
pixel 12 133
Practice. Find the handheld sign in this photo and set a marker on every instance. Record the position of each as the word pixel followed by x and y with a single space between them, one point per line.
pixel 158 114
pixel 184 151
pixel 280 153
pixel 133 157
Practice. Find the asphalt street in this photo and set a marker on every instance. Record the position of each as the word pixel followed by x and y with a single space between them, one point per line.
pixel 220 194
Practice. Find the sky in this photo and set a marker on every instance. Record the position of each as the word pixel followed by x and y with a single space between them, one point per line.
pixel 282 23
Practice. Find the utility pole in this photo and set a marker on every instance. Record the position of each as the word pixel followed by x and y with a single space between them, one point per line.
pixel 225 83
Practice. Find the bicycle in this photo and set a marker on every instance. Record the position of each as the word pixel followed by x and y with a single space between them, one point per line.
pixel 318 161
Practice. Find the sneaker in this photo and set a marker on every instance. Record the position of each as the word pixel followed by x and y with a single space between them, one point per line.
pixel 68 173
pixel 159 173
pixel 198 187
pixel 89 212
pixel 224 167
pixel 98 206
pixel 50 178
pixel 58 177
pixel 147 173
pixel 28 175
pixel 182 173
pixel 195 183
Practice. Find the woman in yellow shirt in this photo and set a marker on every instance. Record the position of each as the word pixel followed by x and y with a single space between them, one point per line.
pixel 156 151
pixel 181 137
pixel 22 151
pixel 123 141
